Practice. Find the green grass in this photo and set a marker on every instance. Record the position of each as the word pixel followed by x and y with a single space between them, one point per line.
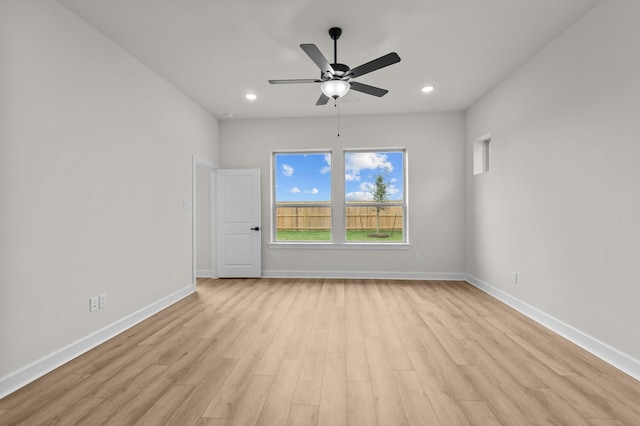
pixel 317 235
pixel 352 236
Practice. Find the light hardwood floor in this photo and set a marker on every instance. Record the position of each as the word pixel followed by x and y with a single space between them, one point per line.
pixel 332 352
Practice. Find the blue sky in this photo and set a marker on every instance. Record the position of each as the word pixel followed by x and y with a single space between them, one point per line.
pixel 303 177
pixel 307 177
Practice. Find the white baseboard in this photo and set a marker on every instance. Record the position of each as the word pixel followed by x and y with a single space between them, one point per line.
pixel 449 276
pixel 607 353
pixel 204 273
pixel 25 375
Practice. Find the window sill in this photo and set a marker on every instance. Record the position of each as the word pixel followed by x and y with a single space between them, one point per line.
pixel 339 246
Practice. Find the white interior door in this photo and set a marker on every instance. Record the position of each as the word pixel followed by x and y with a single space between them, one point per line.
pixel 238 233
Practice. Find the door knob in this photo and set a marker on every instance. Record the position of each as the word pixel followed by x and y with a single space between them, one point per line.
pixel 255 228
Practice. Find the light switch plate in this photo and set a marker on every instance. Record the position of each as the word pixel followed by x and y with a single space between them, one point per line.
pixel 102 300
pixel 93 304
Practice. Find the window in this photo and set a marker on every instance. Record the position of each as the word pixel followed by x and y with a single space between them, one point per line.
pixel 482 155
pixel 302 196
pixel 374 210
pixel 374 188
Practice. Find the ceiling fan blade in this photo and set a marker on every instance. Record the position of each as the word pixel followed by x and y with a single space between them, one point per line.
pixel 369 90
pixel 322 100
pixel 376 64
pixel 316 56
pixel 295 81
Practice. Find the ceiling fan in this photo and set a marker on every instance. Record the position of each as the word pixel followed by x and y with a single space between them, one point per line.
pixel 335 77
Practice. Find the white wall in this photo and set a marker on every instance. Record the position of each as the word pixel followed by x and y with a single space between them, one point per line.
pixel 561 205
pixel 95 162
pixel 434 146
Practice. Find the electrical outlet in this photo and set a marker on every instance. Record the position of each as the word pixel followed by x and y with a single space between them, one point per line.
pixel 102 300
pixel 418 257
pixel 93 304
pixel 514 277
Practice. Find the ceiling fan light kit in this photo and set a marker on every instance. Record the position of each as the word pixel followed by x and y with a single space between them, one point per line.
pixel 335 77
pixel 335 88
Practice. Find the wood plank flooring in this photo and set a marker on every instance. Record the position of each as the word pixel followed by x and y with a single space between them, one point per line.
pixel 332 352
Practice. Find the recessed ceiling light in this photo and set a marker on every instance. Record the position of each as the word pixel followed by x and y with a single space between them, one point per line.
pixel 427 89
pixel 251 96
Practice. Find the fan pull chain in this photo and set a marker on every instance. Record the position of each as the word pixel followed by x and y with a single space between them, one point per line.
pixel 337 105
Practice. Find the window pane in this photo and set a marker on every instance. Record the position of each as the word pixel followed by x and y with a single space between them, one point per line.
pixel 374 224
pixel 302 177
pixel 302 196
pixel 372 180
pixel 295 223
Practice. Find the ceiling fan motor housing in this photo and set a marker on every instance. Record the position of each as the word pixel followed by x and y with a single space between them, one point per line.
pixel 339 70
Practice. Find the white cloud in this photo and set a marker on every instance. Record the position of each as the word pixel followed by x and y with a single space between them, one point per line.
pixel 366 186
pixel 351 177
pixel 326 169
pixel 365 192
pixel 287 170
pixel 359 196
pixel 356 161
pixel 295 190
pixel 312 191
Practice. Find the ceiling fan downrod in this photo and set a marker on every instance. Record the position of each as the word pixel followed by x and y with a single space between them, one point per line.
pixel 335 34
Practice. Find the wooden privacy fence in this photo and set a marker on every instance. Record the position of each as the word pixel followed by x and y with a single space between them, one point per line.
pixel 319 218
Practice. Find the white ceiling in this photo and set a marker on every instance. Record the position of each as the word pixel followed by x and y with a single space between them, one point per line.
pixel 216 51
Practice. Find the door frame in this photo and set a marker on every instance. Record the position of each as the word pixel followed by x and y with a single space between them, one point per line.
pixel 201 162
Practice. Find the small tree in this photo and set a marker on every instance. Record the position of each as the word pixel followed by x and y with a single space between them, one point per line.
pixel 380 192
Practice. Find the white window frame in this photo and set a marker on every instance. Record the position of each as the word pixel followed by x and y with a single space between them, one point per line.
pixel 338 209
